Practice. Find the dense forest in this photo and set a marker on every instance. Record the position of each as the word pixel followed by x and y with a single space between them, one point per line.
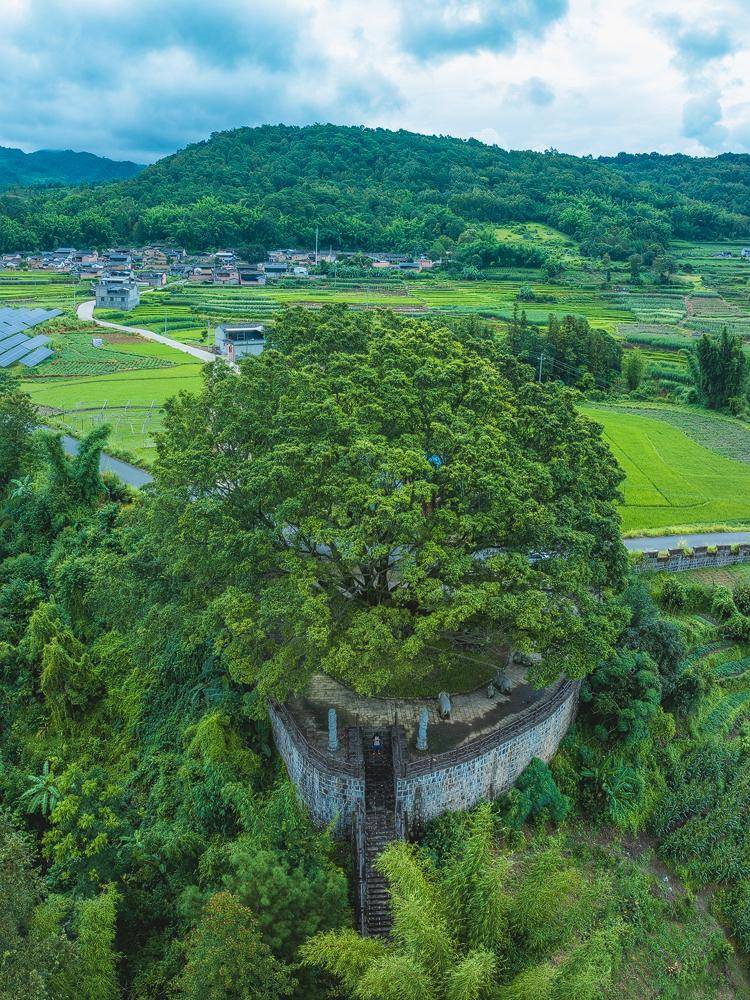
pixel 714 180
pixel 59 167
pixel 373 189
pixel 150 843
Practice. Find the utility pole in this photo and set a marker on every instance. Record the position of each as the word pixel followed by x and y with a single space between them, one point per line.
pixel 317 230
pixel 541 362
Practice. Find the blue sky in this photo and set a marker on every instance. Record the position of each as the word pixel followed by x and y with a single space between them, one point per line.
pixel 137 79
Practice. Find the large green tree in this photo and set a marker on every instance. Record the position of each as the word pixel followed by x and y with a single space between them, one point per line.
pixel 17 419
pixel 719 370
pixel 382 512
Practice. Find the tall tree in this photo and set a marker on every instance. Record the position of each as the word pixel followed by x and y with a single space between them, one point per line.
pixel 385 513
pixel 719 370
pixel 226 959
pixel 17 420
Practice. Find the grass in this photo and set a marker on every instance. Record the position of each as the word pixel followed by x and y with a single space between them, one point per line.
pixel 723 434
pixel 141 387
pixel 671 479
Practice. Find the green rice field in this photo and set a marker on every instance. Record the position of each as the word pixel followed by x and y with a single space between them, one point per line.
pixel 672 482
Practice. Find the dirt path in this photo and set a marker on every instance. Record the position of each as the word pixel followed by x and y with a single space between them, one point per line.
pixel 86 313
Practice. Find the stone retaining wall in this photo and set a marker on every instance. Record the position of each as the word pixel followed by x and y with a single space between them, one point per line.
pixel 700 557
pixel 487 767
pixel 331 786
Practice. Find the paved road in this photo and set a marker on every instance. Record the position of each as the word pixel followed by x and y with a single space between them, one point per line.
pixel 674 541
pixel 130 474
pixel 86 313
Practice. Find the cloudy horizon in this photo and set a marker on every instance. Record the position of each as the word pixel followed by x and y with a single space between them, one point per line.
pixel 132 80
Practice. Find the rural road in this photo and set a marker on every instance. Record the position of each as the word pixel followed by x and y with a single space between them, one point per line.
pixel 86 313
pixel 129 474
pixel 674 541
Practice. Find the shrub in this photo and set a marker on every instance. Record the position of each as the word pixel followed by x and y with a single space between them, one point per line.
pixel 737 627
pixel 742 597
pixel 623 694
pixel 536 795
pixel 673 595
pixel 735 907
pixel 722 603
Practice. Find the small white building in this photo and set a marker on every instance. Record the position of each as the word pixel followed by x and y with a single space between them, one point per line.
pixel 238 340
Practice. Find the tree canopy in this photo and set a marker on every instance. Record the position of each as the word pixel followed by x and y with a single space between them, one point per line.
pixel 400 503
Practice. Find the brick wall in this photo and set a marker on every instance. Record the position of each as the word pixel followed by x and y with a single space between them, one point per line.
pixel 333 786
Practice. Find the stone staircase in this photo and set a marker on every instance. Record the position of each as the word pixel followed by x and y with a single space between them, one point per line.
pixel 380 829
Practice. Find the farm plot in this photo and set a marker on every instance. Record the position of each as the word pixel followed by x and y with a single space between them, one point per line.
pixel 721 434
pixel 75 354
pixel 671 481
pixel 189 311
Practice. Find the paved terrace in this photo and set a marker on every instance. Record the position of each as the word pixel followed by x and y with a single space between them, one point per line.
pixel 472 715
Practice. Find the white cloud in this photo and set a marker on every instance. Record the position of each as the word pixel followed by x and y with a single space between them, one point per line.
pixel 129 78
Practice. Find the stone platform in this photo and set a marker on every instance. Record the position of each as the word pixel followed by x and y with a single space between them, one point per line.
pixel 472 715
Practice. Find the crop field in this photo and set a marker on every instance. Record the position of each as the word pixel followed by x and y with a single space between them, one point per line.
pixel 131 426
pixel 719 433
pixel 75 354
pixel 121 389
pixel 727 576
pixel 187 312
pixel 672 481
pixel 49 291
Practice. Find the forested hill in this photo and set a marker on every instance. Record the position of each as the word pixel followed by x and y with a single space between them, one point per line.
pixel 59 166
pixel 366 189
pixel 718 180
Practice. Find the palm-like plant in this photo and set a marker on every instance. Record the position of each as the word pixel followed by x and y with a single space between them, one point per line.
pixel 42 795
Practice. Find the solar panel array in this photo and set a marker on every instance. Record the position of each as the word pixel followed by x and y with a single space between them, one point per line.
pixel 15 345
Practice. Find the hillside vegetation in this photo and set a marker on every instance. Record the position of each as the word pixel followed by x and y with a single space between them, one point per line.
pixel 59 166
pixel 367 189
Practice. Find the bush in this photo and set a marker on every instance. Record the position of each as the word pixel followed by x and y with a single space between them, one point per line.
pixel 673 595
pixel 737 627
pixel 735 907
pixel 622 695
pixel 536 796
pixel 742 597
pixel 722 603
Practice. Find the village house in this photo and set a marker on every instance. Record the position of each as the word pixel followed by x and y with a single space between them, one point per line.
pixel 153 279
pixel 275 269
pixel 226 276
pixel 155 258
pixel 238 340
pixel 249 275
pixel 118 260
pixel 117 292
pixel 203 273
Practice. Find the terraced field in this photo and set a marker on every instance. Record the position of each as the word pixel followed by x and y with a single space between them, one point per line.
pixel 52 291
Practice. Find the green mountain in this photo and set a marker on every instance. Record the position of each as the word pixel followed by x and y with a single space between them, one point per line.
pixel 59 166
pixel 379 190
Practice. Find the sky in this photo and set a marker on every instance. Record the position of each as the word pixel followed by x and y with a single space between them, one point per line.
pixel 135 79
